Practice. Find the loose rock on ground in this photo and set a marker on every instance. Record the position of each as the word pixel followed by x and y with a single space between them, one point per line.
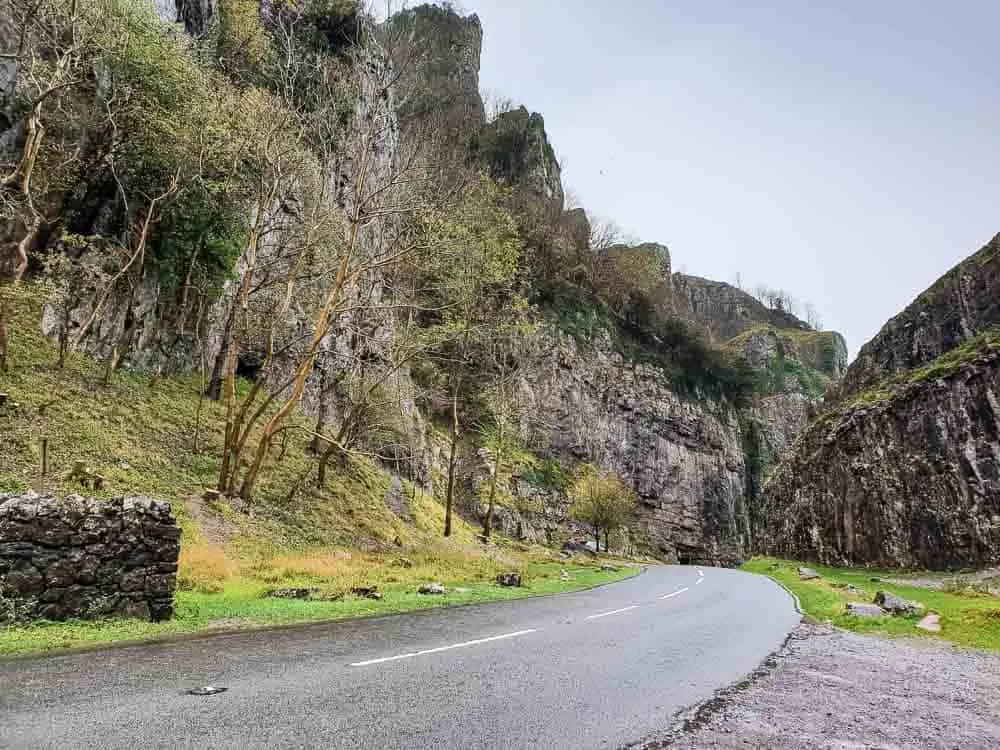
pixel 864 609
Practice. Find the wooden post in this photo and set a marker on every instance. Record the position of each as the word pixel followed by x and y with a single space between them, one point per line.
pixel 45 465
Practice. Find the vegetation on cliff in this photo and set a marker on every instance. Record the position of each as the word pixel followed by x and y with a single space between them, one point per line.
pixel 310 217
pixel 983 347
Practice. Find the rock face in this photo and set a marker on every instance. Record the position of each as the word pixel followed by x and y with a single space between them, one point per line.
pixel 961 304
pixel 516 149
pixel 722 310
pixel 686 457
pixel 81 558
pixel 903 469
pixel 438 60
pixel 683 457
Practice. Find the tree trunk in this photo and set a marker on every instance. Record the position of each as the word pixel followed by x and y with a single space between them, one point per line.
pixel 3 336
pixel 228 470
pixel 607 546
pixel 316 444
pixel 597 538
pixel 449 498
pixel 497 459
pixel 214 390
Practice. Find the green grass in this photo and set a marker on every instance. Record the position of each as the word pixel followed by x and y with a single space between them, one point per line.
pixel 967 618
pixel 242 605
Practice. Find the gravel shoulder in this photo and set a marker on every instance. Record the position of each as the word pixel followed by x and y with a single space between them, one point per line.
pixel 828 688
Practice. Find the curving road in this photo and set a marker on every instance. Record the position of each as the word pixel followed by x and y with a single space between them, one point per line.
pixel 594 669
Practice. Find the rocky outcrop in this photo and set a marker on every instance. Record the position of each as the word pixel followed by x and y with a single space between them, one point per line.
pixel 723 311
pixel 909 481
pixel 903 467
pixel 961 304
pixel 436 52
pixel 81 558
pixel 516 150
pixel 683 457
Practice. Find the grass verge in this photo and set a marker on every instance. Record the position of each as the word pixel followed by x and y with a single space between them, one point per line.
pixel 241 604
pixel 968 618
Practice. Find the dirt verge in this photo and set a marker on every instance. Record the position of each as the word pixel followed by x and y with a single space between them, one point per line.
pixel 829 689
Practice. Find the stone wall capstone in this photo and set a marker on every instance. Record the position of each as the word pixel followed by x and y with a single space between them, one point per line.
pixel 76 557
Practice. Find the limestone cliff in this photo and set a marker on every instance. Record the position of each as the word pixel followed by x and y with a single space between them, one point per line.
pixel 961 304
pixel 903 468
pixel 635 405
pixel 587 403
pixel 724 311
pixel 516 150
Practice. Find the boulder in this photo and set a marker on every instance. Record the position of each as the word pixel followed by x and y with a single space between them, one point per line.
pixel 434 589
pixel 864 609
pixel 931 623
pixel 808 574
pixel 367 592
pixel 510 580
pixel 576 546
pixel 896 604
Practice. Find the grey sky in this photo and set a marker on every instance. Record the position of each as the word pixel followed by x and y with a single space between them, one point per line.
pixel 848 154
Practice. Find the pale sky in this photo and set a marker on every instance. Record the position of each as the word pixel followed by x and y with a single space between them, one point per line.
pixel 848 153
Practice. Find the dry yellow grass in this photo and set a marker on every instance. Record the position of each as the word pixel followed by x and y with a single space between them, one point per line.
pixel 204 569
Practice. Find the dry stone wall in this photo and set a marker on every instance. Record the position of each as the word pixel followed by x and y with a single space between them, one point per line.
pixel 77 557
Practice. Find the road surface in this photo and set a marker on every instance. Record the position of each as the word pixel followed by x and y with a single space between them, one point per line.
pixel 593 669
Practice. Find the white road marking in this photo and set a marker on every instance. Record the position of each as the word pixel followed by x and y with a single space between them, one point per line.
pixel 698 581
pixel 442 648
pixel 701 573
pixel 675 593
pixel 612 612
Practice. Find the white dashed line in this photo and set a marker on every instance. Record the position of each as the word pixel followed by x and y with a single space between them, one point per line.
pixel 698 581
pixel 675 593
pixel 612 612
pixel 442 648
pixel 701 573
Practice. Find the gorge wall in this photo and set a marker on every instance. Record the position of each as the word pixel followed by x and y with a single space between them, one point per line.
pixel 682 456
pixel 903 466
pixel 695 456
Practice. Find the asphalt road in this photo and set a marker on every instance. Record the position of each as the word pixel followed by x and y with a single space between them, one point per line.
pixel 594 669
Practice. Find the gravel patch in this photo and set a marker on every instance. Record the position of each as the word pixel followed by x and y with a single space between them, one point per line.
pixel 829 689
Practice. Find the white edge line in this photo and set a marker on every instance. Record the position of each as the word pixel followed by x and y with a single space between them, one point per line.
pixel 675 593
pixel 442 648
pixel 612 612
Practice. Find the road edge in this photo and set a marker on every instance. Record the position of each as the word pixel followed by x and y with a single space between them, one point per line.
pixel 697 715
pixel 207 634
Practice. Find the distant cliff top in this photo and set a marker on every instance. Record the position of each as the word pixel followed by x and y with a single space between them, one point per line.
pixel 957 307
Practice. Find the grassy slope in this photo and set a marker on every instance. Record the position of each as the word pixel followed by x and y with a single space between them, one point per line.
pixel 967 618
pixel 139 433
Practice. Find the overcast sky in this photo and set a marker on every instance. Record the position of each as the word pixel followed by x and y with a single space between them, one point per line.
pixel 847 154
